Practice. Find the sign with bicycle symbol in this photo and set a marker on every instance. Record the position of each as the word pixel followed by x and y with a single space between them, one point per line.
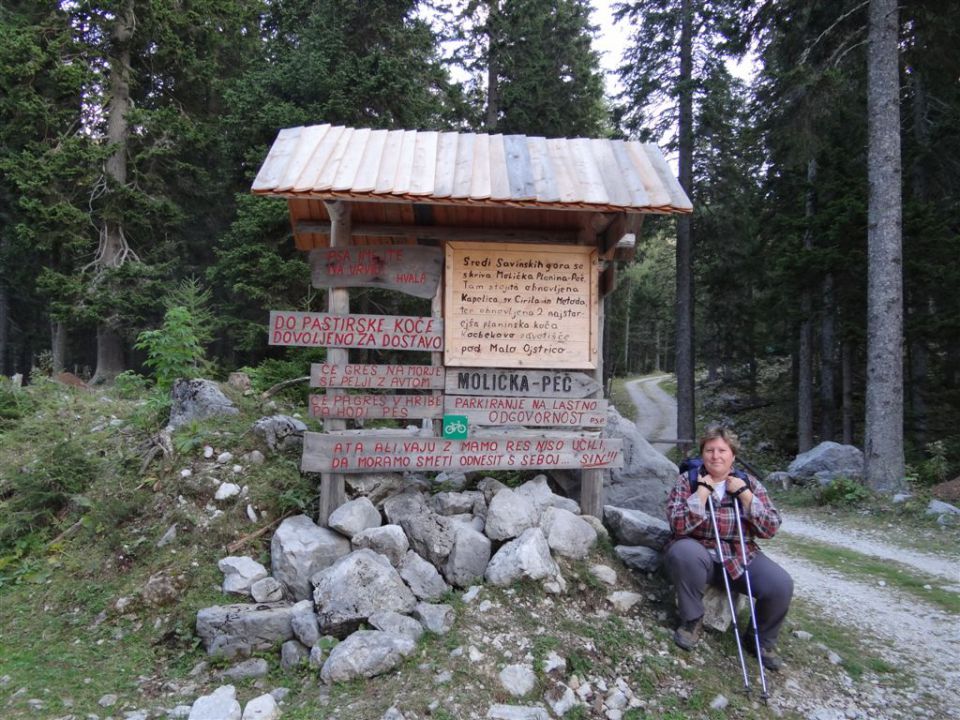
pixel 455 427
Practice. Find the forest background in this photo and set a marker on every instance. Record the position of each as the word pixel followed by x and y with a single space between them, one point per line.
pixel 130 131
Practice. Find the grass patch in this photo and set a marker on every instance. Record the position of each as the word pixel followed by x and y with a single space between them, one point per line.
pixel 852 563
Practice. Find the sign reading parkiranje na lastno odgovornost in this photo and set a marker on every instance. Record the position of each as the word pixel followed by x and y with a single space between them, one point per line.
pixel 381 332
pixel 366 453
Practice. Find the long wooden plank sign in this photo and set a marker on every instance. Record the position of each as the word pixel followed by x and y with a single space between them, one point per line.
pixel 384 332
pixel 357 454
pixel 376 406
pixel 412 269
pixel 532 412
pixel 389 377
pixel 520 383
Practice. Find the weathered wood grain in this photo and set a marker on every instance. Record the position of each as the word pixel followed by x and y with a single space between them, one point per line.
pixel 527 411
pixel 519 383
pixel 376 407
pixel 377 377
pixel 386 332
pixel 411 269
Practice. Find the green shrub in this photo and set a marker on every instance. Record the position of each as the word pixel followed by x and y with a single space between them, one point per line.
pixel 174 351
pixel 275 370
pixel 843 491
pixel 11 404
pixel 936 468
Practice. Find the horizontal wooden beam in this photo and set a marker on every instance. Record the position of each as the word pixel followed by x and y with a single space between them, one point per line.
pixel 443 232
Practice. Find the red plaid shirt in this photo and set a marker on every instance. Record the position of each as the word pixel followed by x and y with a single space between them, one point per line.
pixel 689 518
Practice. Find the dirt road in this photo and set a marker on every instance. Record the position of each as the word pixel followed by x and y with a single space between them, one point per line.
pixel 656 411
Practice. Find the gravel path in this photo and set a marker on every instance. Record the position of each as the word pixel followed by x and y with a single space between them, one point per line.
pixel 656 411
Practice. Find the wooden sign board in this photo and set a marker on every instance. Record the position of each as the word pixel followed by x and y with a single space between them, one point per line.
pixel 366 453
pixel 382 332
pixel 376 406
pixel 412 269
pixel 520 383
pixel 512 305
pixel 533 412
pixel 366 377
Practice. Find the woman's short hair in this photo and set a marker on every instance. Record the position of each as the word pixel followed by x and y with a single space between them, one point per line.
pixel 715 432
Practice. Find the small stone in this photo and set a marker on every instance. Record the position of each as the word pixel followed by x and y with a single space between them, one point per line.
pixel 802 635
pixel 719 703
pixel 251 513
pixel 107 700
pixel 237 469
pixel 224 457
pixel 168 537
pixel 186 472
pixel 517 680
pixel 207 452
pixel 604 573
pixel 471 594
pixel 834 658
pixel 255 457
pixel 227 491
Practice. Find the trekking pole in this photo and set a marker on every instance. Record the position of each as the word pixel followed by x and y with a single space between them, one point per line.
pixel 726 584
pixel 753 613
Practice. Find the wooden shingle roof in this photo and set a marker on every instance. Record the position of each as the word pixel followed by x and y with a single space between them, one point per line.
pixel 335 162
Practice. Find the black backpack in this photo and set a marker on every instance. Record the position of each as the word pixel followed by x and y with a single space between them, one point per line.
pixel 693 465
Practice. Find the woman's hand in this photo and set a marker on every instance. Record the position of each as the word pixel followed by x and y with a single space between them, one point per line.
pixel 738 488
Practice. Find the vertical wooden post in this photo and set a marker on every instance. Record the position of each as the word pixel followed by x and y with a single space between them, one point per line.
pixel 591 481
pixel 332 494
pixel 436 358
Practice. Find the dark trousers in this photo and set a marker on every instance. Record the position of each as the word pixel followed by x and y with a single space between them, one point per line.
pixel 692 568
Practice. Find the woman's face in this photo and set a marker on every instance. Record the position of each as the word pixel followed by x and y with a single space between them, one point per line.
pixel 718 457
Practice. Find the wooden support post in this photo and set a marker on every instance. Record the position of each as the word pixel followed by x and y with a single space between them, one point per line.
pixel 332 493
pixel 436 359
pixel 591 481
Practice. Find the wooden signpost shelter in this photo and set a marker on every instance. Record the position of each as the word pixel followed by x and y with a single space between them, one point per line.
pixel 514 239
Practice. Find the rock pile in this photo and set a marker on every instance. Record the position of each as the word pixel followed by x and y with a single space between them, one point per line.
pixel 386 568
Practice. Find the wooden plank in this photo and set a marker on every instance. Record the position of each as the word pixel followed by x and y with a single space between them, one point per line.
pixel 591 492
pixel 592 189
pixel 463 173
pixel 528 411
pixel 444 232
pixel 365 453
pixel 376 407
pixel 610 174
pixel 499 181
pixel 520 383
pixel 366 177
pixel 401 182
pixel 311 173
pixel 480 182
pixel 446 165
pixel 424 172
pixel 273 167
pixel 383 332
pixel 389 162
pixel 511 305
pixel 411 269
pixel 658 195
pixel 678 197
pixel 519 169
pixel 300 156
pixel 350 162
pixel 559 152
pixel 631 178
pixel 544 182
pixel 332 166
pixel 387 377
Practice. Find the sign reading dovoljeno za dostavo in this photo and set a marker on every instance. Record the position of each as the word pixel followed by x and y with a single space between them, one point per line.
pixel 384 332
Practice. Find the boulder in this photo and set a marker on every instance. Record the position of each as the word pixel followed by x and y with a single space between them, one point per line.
pixel 267 590
pixel 299 549
pixel 430 535
pixel 240 573
pixel 394 622
pixel 402 506
pixel 830 458
pixel 468 558
pixel 539 493
pixel 509 514
pixel 456 503
pixel 567 534
pixel 279 432
pixel 293 654
pixel 634 527
pixel 388 540
pixel 239 630
pixel 305 627
pixel 197 400
pixel 221 704
pixel 716 608
pixel 263 707
pixel 642 559
pixel 939 507
pixel 374 486
pixel 644 481
pixel 526 557
pixel 354 516
pixel 355 587
pixel 422 577
pixel 437 619
pixel 365 654
pixel 247 670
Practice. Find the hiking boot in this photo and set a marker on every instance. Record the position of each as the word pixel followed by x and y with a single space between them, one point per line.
pixel 688 634
pixel 768 655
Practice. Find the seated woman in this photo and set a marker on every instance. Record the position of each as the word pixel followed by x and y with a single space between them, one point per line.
pixel 691 557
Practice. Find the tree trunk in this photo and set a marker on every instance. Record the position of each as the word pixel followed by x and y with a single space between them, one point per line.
pixel 828 362
pixel 846 384
pixel 805 345
pixel 113 250
pixel 685 360
pixel 883 431
pixel 493 65
pixel 58 346
pixel 4 326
